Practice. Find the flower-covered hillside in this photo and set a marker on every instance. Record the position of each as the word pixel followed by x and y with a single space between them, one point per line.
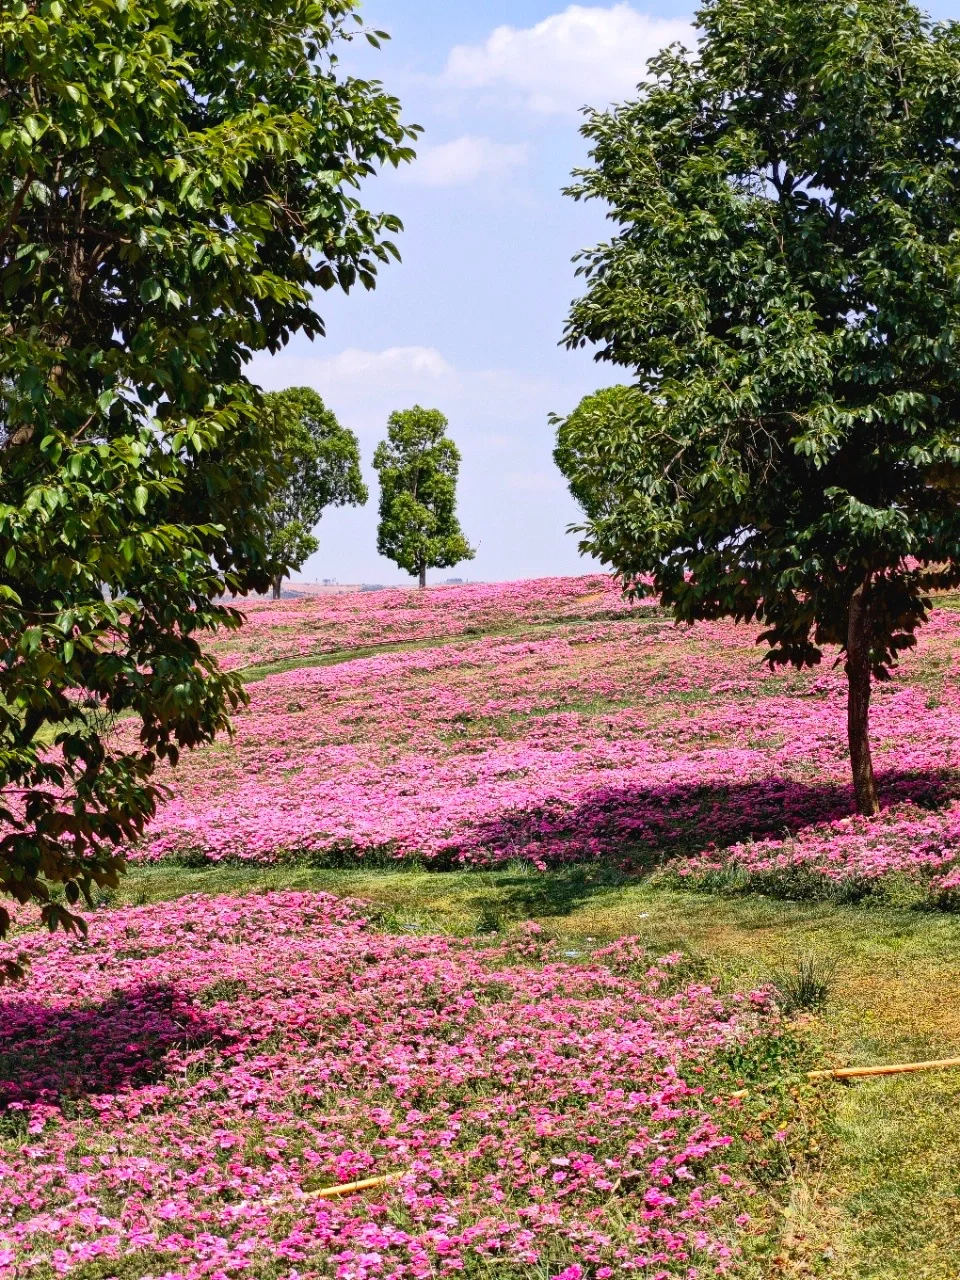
pixel 278 631
pixel 628 739
pixel 175 1091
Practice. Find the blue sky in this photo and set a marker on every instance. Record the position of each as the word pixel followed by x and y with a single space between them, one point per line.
pixel 469 322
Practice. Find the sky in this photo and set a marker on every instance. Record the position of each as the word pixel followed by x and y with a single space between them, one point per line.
pixel 471 320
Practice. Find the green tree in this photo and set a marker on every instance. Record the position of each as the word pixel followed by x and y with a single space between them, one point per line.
pixel 320 465
pixel 606 415
pixel 177 177
pixel 783 283
pixel 418 465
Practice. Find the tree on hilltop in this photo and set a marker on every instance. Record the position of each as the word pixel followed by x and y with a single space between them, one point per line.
pixel 177 178
pixel 418 465
pixel 783 283
pixel 320 465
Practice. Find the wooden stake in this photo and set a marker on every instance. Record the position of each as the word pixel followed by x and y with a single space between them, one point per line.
pixel 894 1069
pixel 348 1188
pixel 859 1073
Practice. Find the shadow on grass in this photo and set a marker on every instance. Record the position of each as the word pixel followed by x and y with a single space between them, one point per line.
pixel 525 892
pixel 51 1053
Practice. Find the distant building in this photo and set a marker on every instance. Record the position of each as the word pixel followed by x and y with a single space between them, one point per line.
pixel 454 582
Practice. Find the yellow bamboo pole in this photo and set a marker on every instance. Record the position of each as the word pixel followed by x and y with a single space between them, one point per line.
pixel 893 1069
pixel 859 1073
pixel 348 1188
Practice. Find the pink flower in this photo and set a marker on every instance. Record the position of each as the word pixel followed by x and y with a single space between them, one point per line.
pixel 240 1053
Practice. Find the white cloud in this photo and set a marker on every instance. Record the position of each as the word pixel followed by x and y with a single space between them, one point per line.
pixel 464 160
pixel 363 387
pixel 394 361
pixel 582 56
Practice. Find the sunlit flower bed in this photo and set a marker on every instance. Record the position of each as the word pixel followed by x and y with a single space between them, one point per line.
pixel 630 740
pixel 277 631
pixel 175 1090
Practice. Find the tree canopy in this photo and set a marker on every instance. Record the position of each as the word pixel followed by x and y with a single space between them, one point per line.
pixel 177 178
pixel 418 465
pixel 783 284
pixel 320 467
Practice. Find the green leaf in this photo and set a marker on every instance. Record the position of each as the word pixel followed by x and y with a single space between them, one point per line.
pixel 157 246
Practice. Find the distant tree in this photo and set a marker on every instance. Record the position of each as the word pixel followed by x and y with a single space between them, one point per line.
pixel 783 286
pixel 320 467
pixel 418 465
pixel 176 179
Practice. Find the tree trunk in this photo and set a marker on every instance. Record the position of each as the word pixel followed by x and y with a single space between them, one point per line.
pixel 277 585
pixel 859 678
pixel 423 574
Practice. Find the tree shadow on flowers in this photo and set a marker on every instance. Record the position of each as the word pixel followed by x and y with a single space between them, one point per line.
pixel 51 1053
pixel 633 829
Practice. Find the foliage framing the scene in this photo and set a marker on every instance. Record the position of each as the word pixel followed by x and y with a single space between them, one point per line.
pixel 176 178
pixel 418 465
pixel 784 285
pixel 320 467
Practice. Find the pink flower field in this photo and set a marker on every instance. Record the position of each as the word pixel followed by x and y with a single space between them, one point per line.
pixel 177 1089
pixel 281 631
pixel 622 738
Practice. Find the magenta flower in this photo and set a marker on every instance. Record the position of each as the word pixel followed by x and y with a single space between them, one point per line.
pixel 197 1070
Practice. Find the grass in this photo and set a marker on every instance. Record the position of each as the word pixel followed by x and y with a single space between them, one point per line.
pixel 878 1197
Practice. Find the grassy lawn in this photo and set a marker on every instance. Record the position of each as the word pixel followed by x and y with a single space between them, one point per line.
pixel 878 1198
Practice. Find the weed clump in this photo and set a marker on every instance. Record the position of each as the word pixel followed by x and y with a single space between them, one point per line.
pixel 806 986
